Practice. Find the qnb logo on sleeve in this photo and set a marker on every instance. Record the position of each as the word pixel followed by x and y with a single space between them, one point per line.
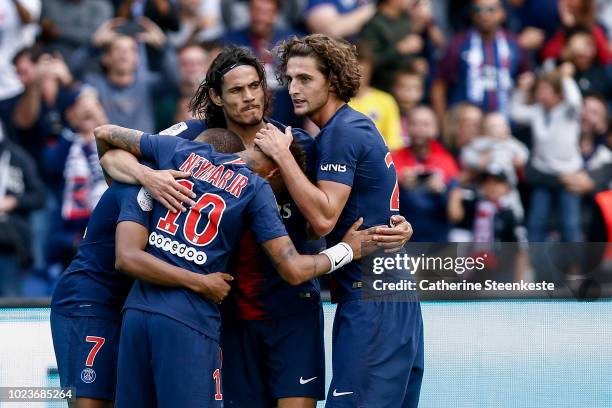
pixel 333 167
pixel 177 248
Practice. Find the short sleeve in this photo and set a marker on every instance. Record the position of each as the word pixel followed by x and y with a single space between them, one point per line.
pixel 158 149
pixel 189 129
pixel 338 154
pixel 135 204
pixel 266 223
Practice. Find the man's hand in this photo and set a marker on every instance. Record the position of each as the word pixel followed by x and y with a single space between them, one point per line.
pixel 435 183
pixel 107 32
pixel 213 286
pixel 532 38
pixel 526 81
pixel 360 241
pixel 7 204
pixel 152 34
pixel 393 238
pixel 578 183
pixel 567 70
pixel 163 187
pixel 272 141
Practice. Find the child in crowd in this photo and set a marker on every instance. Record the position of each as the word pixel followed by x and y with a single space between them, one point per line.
pixel 408 89
pixel 496 145
pixel 554 118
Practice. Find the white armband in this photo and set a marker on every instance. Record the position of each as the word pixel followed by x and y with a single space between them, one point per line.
pixel 339 255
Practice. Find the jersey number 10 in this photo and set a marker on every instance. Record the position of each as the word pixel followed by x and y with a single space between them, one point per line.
pixel 190 231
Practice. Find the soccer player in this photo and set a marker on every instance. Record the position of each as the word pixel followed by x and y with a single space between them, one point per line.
pixel 230 198
pixel 265 319
pixel 87 301
pixel 377 343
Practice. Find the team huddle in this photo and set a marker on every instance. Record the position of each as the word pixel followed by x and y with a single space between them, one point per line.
pixel 195 283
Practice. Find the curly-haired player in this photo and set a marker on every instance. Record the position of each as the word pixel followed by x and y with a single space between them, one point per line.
pixel 377 343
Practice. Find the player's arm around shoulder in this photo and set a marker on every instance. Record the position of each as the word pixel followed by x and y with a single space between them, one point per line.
pixel 131 259
pixel 113 136
pixel 119 148
pixel 296 269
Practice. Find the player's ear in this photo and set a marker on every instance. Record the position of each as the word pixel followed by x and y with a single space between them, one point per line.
pixel 272 173
pixel 215 98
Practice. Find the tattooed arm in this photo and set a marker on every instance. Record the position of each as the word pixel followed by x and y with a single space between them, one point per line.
pixel 111 137
pixel 296 269
pixel 293 267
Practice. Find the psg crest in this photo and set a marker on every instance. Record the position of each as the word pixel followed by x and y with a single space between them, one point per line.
pixel 88 375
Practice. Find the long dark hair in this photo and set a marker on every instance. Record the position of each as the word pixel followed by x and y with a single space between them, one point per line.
pixel 201 106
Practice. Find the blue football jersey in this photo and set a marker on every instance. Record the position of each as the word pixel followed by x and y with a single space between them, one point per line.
pixel 352 152
pixel 90 286
pixel 260 292
pixel 230 199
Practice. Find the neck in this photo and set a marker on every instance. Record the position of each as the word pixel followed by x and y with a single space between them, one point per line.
pixel 323 115
pixel 390 11
pixel 364 90
pixel 119 78
pixel 488 35
pixel 421 151
pixel 246 133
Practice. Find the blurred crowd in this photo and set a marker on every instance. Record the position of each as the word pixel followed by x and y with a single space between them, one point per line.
pixel 496 111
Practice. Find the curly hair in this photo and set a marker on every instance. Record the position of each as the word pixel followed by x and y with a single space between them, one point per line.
pixel 201 105
pixel 336 59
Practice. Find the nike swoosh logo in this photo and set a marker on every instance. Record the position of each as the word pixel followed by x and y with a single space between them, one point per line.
pixel 303 381
pixel 339 394
pixel 340 260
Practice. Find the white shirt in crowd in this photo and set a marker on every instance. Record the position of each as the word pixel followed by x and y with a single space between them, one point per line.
pixel 556 134
pixel 14 36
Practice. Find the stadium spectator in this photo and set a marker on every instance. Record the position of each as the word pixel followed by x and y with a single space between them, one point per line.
pixel 595 117
pixel 338 18
pixel 594 130
pixel 490 213
pixel 236 14
pixel 389 34
pixel 408 90
pixel 534 21
pixel 573 14
pixel 555 124
pixel 17 18
pixel 591 75
pixel 40 111
pixel 39 117
pixel 199 20
pixel 427 175
pixel 376 104
pixel 74 160
pixel 434 41
pixel 126 89
pixel 463 123
pixel 193 63
pixel 481 64
pixel 496 146
pixel 261 36
pixel 21 191
pixel 161 12
pixel 67 25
